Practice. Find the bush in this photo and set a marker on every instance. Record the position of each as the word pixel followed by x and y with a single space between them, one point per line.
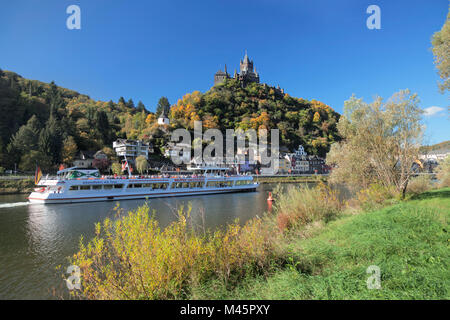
pixel 419 184
pixel 299 206
pixel 375 196
pixel 132 258
pixel 443 172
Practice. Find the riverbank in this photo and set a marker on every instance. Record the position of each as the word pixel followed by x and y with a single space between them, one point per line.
pixel 16 186
pixel 290 179
pixel 309 247
pixel 407 241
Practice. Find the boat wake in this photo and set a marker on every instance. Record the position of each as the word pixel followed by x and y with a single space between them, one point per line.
pixel 14 204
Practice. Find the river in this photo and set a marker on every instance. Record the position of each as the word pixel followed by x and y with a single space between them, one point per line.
pixel 36 238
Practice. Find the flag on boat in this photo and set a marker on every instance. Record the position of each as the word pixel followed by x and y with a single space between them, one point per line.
pixel 124 165
pixel 37 175
pixel 61 167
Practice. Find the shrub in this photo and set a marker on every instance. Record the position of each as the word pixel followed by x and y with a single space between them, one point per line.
pixel 443 172
pixel 419 184
pixel 375 196
pixel 299 206
pixel 132 258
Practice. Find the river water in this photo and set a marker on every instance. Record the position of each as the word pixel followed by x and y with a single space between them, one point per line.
pixel 36 238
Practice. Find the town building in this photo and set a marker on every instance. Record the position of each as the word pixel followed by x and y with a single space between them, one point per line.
pixel 86 159
pixel 163 118
pixel 131 149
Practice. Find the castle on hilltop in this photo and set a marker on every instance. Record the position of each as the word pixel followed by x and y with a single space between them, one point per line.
pixel 247 73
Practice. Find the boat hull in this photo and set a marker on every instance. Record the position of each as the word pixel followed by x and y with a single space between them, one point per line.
pixel 54 198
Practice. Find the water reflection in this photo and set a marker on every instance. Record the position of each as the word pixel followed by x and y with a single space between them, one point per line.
pixel 35 238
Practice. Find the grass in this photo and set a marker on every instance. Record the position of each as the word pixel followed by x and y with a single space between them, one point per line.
pixel 308 248
pixel 407 241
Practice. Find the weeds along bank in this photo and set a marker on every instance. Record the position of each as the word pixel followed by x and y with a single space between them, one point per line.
pixel 12 186
pixel 408 241
pixel 131 257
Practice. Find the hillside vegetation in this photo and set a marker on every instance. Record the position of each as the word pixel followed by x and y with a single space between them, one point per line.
pixel 48 124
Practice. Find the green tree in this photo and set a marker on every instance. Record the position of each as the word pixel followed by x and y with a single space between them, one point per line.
pixel 130 103
pixel 140 107
pixel 26 138
pixel 163 104
pixel 380 143
pixel 50 140
pixel 30 159
pixel 441 51
pixel 141 164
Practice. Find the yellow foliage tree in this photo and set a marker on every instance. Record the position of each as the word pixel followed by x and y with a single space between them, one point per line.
pixel 316 117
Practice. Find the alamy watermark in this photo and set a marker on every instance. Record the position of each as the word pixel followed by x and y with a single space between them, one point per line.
pixel 74 20
pixel 74 280
pixel 374 20
pixel 374 281
pixel 249 148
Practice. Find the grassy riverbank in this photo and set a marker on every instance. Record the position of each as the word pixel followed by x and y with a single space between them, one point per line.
pixel 310 247
pixel 15 186
pixel 407 241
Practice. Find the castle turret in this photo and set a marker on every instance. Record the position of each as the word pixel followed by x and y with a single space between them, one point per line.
pixel 247 73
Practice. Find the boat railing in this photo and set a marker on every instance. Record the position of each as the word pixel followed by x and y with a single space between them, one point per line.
pixel 111 177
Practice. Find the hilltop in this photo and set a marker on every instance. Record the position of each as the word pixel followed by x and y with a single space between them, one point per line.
pixel 45 123
pixel 228 105
pixel 442 146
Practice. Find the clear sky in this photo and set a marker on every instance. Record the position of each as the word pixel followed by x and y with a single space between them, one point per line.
pixel 147 49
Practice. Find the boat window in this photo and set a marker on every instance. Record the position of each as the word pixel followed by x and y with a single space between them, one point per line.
pixel 73 188
pixel 107 186
pixel 156 186
pixel 138 185
pixel 85 187
pixel 146 185
pixel 96 187
pixel 164 185
pixel 118 186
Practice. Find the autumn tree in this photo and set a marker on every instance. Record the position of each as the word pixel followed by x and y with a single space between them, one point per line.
pixel 441 52
pixel 101 164
pixel 141 164
pixel 69 150
pixel 116 168
pixel 381 142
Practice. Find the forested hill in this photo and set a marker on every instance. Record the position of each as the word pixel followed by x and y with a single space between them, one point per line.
pixel 48 124
pixel 229 106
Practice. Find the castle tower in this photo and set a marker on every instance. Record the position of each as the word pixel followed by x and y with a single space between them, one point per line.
pixel 221 76
pixel 246 75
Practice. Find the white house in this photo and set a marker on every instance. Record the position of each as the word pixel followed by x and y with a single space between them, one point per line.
pixel 131 149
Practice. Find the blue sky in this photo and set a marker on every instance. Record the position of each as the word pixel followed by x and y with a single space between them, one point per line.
pixel 147 49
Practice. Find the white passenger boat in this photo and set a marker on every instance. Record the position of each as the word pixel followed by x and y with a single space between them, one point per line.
pixel 81 185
